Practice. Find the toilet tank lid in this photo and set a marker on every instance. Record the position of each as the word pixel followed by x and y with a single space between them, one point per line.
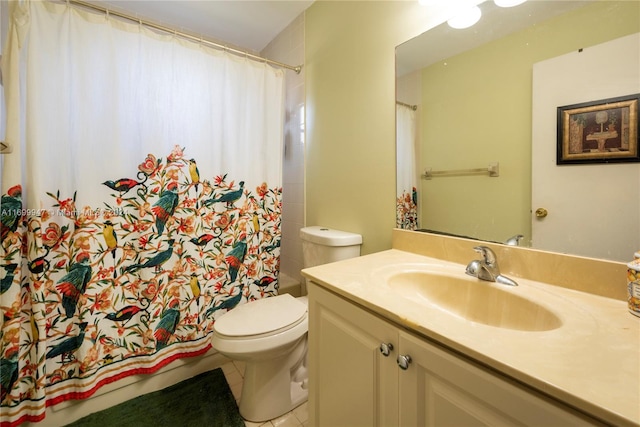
pixel 261 316
pixel 329 237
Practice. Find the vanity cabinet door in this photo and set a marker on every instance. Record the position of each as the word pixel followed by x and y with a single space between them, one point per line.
pixel 352 383
pixel 440 389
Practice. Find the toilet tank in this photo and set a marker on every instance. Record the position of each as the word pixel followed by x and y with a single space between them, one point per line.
pixel 322 245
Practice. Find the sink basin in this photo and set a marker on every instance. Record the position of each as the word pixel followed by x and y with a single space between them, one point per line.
pixel 474 300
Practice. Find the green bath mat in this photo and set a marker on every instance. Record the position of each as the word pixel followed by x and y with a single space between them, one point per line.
pixel 204 400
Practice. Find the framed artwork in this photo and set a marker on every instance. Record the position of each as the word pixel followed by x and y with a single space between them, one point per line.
pixel 604 131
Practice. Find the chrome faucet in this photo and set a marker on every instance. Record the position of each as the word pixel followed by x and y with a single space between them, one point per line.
pixel 514 240
pixel 487 267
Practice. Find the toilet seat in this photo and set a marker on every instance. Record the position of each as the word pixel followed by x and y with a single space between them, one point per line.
pixel 261 328
pixel 262 318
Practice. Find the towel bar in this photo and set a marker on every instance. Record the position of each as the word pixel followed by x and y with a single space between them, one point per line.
pixel 493 170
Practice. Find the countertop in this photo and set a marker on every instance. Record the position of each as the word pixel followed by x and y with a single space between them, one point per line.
pixel 591 362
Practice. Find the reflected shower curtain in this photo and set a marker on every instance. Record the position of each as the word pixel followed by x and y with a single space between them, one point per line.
pixel 406 157
pixel 141 201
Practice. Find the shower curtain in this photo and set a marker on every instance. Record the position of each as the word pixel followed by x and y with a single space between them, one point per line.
pixel 406 182
pixel 142 200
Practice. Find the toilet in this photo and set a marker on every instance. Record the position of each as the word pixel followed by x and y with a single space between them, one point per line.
pixel 322 245
pixel 270 335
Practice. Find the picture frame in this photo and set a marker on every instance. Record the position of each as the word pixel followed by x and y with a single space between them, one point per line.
pixel 603 131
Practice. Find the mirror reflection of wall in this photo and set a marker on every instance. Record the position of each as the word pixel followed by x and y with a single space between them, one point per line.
pixel 475 108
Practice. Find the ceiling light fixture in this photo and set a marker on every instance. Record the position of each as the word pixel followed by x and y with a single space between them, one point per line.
pixel 466 18
pixel 508 3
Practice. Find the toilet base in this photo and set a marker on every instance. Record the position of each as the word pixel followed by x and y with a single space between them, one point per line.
pixel 274 387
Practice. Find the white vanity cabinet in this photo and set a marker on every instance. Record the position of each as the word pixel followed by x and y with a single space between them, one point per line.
pixel 353 383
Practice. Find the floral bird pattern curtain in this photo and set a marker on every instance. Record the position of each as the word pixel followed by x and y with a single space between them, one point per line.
pixel 406 156
pixel 124 268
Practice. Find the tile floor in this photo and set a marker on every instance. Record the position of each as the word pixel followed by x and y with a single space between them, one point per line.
pixel 234 372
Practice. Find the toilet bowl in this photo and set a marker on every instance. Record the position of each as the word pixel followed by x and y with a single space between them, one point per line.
pixel 270 336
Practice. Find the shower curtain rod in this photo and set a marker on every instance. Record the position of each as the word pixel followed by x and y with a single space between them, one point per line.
pixel 413 107
pixel 296 68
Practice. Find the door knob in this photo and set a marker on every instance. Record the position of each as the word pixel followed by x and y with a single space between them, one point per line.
pixel 386 348
pixel 541 213
pixel 403 361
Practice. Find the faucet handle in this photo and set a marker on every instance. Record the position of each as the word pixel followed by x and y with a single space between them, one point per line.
pixel 488 256
pixel 473 268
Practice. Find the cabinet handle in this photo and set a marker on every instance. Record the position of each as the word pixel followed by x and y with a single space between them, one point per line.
pixel 404 361
pixel 386 348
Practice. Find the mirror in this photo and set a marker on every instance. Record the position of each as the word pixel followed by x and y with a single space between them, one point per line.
pixel 484 127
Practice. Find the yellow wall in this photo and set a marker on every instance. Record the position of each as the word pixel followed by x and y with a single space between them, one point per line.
pixel 350 118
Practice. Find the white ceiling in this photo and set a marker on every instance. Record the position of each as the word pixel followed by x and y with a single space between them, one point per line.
pixel 248 24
